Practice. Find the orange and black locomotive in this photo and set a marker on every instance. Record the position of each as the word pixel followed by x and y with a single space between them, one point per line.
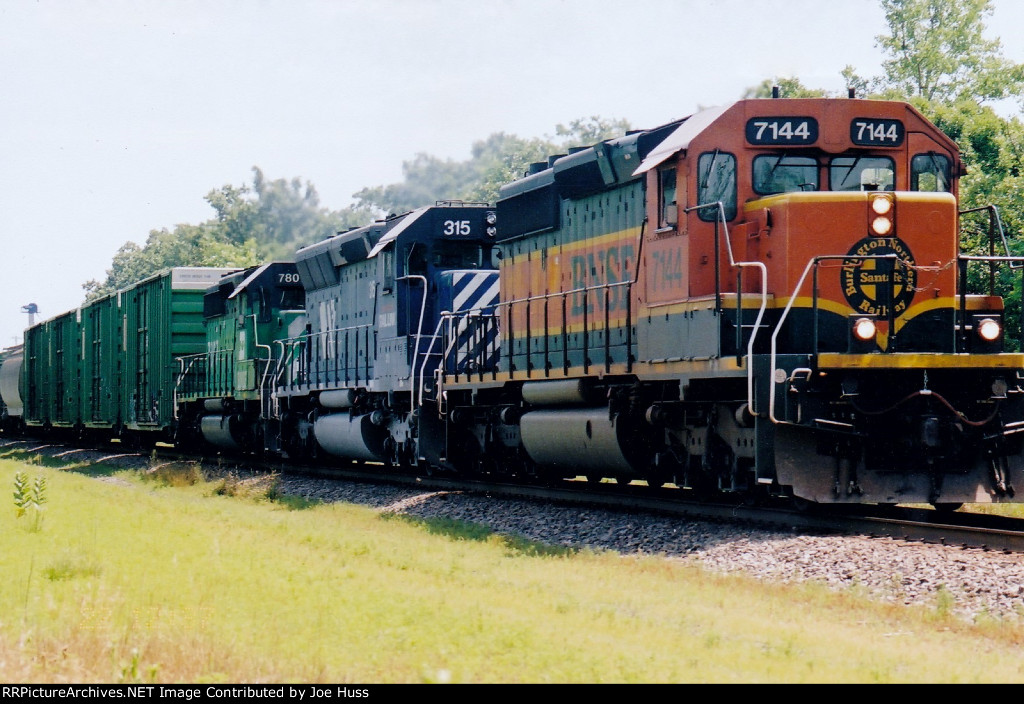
pixel 769 294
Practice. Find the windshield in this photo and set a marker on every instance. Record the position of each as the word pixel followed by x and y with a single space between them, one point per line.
pixel 861 173
pixel 775 173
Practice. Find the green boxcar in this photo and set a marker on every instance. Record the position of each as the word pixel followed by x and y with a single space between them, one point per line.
pixel 101 362
pixel 162 320
pixel 37 378
pixel 53 355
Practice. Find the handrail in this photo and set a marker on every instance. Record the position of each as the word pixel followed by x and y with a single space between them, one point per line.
pixel 265 402
pixel 427 355
pixel 760 266
pixel 585 290
pixel 183 370
pixel 419 332
pixel 318 337
pixel 962 261
pixel 811 264
pixel 995 224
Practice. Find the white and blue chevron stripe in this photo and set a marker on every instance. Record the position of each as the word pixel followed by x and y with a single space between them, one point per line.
pixel 474 294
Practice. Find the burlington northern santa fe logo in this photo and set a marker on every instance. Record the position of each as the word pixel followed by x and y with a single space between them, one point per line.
pixel 866 281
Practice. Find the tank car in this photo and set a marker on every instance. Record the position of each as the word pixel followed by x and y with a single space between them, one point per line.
pixel 224 396
pixel 11 407
pixel 350 385
pixel 766 297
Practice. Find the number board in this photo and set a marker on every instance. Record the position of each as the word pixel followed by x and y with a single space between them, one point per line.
pixel 782 130
pixel 454 228
pixel 876 132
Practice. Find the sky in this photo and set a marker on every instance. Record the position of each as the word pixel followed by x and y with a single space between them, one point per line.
pixel 117 117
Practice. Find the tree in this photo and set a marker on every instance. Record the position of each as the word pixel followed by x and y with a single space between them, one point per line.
pixel 186 245
pixel 271 219
pixel 426 179
pixel 280 215
pixel 252 224
pixel 937 51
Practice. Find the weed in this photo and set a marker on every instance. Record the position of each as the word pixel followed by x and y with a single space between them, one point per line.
pixel 228 486
pixel 30 498
pixel 70 566
pixel 22 497
pixel 944 601
pixel 171 474
pixel 262 487
pixel 132 671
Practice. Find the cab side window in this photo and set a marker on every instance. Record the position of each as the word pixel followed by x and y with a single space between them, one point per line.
pixel 930 172
pixel 668 210
pixel 716 182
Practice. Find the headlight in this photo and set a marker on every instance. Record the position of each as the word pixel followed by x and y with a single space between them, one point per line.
pixel 491 217
pixel 989 329
pixel 881 212
pixel 864 329
pixel 881 226
pixel 881 206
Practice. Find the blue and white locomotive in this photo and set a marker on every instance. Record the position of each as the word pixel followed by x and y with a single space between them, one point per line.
pixel 376 298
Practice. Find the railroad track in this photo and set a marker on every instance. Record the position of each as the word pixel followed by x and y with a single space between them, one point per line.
pixel 961 528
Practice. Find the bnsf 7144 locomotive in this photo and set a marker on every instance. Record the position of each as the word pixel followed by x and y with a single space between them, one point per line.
pixel 765 297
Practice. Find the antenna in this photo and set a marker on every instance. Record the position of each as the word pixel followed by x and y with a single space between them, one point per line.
pixel 32 309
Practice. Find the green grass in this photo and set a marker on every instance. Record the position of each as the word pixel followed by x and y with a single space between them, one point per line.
pixel 164 580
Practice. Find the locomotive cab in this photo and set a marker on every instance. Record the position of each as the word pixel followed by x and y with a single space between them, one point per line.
pixel 871 369
pixel 376 298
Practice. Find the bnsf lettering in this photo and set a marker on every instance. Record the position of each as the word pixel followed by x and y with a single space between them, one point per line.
pixel 593 269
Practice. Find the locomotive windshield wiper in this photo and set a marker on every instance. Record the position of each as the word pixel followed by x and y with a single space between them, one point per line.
pixel 939 169
pixel 849 172
pixel 703 184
